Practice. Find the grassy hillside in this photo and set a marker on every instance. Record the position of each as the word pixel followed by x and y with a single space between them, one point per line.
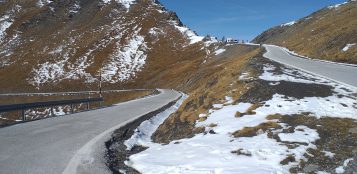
pixel 324 34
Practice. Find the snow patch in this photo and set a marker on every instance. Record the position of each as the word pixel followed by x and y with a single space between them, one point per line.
pixel 142 134
pixel 288 24
pixel 41 3
pixel 192 36
pixel 74 8
pixel 336 6
pixel 299 135
pixel 125 3
pixel 125 62
pixel 219 51
pixel 341 169
pixel 187 155
pixel 328 154
pixel 348 46
pixel 217 151
pixel 5 23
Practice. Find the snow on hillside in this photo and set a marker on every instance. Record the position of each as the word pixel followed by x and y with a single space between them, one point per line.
pixel 336 6
pixel 74 8
pixel 41 3
pixel 125 3
pixel 5 23
pixel 192 36
pixel 219 51
pixel 144 132
pixel 218 151
pixel 289 24
pixel 126 61
pixel 348 46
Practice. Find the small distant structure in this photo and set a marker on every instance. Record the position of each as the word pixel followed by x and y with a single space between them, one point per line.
pixel 231 40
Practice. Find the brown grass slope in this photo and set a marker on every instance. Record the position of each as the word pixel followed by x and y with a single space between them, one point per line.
pixel 321 35
pixel 208 84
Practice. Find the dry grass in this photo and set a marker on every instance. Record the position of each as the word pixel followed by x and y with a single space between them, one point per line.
pixel 251 109
pixel 274 117
pixel 207 84
pixel 252 131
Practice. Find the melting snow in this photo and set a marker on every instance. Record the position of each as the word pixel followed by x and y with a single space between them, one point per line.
pixel 336 6
pixel 289 23
pixel 341 104
pixel 219 51
pixel 212 152
pixel 341 168
pixel 5 23
pixel 299 135
pixel 142 135
pixel 192 36
pixel 41 3
pixel 328 154
pixel 127 61
pixel 348 46
pixel 74 8
pixel 126 3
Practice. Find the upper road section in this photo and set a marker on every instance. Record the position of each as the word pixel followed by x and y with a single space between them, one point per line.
pixel 340 73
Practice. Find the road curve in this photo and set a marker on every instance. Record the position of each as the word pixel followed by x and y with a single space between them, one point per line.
pixel 52 146
pixel 337 72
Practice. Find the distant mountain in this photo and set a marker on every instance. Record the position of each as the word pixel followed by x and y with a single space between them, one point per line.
pixel 330 33
pixel 61 45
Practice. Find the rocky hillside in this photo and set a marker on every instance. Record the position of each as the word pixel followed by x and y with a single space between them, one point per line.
pixel 329 34
pixel 62 45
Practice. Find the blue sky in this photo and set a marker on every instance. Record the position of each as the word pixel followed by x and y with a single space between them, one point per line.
pixel 242 19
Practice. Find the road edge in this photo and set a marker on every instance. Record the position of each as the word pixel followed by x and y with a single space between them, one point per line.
pixel 86 150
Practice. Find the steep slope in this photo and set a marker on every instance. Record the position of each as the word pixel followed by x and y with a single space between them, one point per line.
pixel 330 33
pixel 66 45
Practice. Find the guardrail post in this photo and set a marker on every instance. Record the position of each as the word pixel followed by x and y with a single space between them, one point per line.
pixel 72 109
pixel 23 115
pixel 87 105
pixel 52 113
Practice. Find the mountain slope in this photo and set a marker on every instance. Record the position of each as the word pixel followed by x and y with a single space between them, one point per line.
pixel 329 33
pixel 65 45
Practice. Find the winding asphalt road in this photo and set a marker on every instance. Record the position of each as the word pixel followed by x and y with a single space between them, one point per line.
pixel 340 73
pixel 67 144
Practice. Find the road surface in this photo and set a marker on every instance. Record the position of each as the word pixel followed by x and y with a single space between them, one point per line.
pixel 337 72
pixel 61 144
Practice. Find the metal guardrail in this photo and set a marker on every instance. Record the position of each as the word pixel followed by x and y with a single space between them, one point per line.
pixel 25 106
pixel 68 93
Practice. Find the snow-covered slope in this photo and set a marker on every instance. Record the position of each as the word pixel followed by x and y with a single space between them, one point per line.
pixel 61 43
